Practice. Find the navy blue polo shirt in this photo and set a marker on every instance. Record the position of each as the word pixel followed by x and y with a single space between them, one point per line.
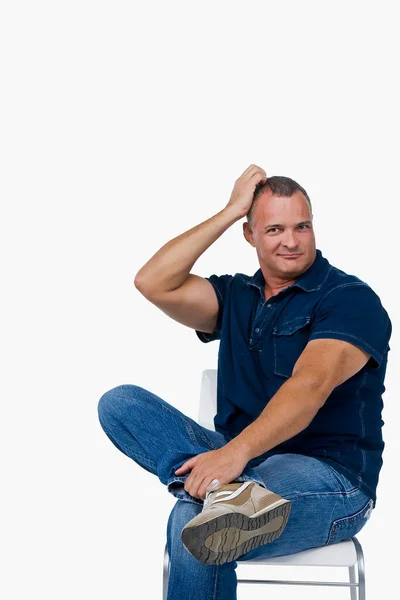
pixel 260 341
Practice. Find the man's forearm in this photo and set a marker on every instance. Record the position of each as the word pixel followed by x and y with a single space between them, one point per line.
pixel 170 266
pixel 290 411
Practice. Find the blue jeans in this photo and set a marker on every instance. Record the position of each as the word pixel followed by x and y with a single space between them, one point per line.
pixel 326 507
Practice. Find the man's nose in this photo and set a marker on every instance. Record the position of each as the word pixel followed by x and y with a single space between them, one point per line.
pixel 289 239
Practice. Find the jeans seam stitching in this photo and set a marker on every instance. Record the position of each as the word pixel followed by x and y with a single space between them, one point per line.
pixel 193 438
pixel 216 572
pixel 146 460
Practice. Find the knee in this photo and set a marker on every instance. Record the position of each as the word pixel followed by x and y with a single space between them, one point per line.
pixel 115 401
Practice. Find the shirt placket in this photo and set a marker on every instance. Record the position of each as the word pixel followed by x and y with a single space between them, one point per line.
pixel 263 316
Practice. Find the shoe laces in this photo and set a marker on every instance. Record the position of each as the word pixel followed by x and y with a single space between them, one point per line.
pixel 211 496
pixel 220 496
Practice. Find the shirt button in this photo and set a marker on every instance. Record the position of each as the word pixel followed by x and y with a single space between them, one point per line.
pixel 257 329
pixel 269 305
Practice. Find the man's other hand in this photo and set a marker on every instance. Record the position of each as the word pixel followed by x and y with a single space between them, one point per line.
pixel 223 464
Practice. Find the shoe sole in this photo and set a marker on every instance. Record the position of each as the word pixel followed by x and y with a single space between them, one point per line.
pixel 228 536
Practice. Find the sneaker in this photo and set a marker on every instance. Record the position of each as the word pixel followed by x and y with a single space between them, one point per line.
pixel 235 519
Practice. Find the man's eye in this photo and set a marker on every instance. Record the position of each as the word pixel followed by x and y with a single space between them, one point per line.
pixel 273 230
pixel 304 226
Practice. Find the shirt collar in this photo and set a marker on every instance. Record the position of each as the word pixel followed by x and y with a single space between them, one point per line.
pixel 310 281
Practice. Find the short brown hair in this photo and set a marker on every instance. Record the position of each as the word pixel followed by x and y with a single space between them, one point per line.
pixel 279 186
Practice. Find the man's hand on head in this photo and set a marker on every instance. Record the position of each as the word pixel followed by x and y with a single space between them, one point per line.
pixel 245 186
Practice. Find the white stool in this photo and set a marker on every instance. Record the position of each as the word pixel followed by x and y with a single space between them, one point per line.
pixel 343 554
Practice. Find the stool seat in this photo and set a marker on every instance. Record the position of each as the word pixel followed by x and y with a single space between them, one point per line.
pixel 342 554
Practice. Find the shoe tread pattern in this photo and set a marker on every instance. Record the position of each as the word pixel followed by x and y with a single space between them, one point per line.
pixel 194 537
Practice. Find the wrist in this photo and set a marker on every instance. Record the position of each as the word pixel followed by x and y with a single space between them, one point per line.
pixel 232 213
pixel 241 448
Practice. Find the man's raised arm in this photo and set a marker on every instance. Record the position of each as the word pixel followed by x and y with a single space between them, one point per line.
pixel 170 266
pixel 165 280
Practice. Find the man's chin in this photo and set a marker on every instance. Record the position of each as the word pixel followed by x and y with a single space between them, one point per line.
pixel 294 267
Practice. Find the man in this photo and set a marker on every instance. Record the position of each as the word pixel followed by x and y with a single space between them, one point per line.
pixel 295 458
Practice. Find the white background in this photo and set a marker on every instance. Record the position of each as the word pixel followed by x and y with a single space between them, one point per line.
pixel 124 124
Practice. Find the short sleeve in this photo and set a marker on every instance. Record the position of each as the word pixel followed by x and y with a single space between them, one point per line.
pixel 353 312
pixel 220 284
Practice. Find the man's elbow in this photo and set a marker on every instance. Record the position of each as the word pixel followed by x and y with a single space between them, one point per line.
pixel 316 387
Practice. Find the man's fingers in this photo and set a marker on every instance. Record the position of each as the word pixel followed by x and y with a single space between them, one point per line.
pixel 197 487
pixel 205 486
pixel 253 170
pixel 213 485
pixel 185 468
pixel 192 484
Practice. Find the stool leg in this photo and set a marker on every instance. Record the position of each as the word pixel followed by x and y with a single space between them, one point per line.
pixel 361 582
pixel 353 590
pixel 361 569
pixel 165 573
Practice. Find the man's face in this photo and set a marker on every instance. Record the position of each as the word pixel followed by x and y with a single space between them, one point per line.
pixel 283 235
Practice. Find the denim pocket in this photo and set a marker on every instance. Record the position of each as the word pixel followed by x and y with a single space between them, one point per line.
pixel 290 339
pixel 346 527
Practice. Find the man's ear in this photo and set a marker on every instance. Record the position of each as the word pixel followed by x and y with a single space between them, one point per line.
pixel 248 233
